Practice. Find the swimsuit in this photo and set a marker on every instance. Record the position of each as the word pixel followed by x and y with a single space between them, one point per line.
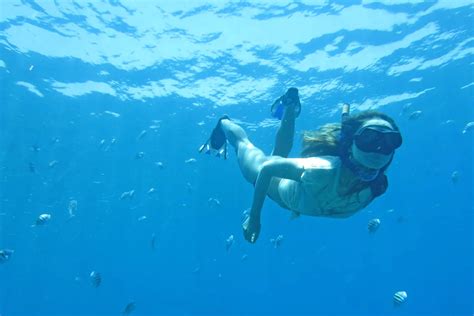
pixel 317 191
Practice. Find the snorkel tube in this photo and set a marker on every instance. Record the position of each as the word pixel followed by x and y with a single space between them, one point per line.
pixel 345 114
pixel 346 111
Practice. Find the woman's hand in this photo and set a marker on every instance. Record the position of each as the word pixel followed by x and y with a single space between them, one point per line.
pixel 251 228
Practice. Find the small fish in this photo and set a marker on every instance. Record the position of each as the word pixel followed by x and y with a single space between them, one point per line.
pixel 35 148
pixel 102 143
pixel 114 114
pixel 140 155
pixel 42 219
pixel 129 308
pixel 189 187
pixel 142 218
pixel 31 67
pixel 447 122
pixel 229 242
pixel 399 298
pixel 95 278
pixel 72 208
pixel 5 255
pixel 455 177
pixel 160 165
pixel 406 108
pixel 373 225
pixel 142 134
pixel 127 195
pixel 277 241
pixel 151 191
pixel 213 202
pixel 53 163
pixel 244 257
pixel 107 148
pixel 414 115
pixel 197 270
pixel 190 161
pixel 469 127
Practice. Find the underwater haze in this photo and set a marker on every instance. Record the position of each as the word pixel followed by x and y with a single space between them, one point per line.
pixel 107 207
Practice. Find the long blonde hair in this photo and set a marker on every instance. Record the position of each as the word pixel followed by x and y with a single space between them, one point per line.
pixel 327 140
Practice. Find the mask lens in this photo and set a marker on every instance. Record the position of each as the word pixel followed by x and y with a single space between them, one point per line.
pixel 378 141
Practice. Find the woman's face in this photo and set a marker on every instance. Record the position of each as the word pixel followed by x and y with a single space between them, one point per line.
pixel 374 143
pixel 370 160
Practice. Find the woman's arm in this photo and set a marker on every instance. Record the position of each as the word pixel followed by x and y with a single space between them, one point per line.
pixel 278 167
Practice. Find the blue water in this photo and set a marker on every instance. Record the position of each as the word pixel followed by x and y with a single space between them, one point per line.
pixel 77 75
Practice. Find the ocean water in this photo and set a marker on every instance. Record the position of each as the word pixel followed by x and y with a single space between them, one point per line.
pixel 105 103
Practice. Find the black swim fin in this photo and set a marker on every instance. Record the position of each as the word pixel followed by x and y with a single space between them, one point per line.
pixel 217 143
pixel 278 107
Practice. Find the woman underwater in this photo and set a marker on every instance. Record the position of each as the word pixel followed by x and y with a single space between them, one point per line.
pixel 341 171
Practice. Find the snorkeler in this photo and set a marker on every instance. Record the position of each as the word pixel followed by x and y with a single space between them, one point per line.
pixel 341 171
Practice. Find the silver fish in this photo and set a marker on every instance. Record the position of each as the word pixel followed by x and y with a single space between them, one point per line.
pixel 95 278
pixel 373 225
pixel 127 195
pixel 142 134
pixel 277 241
pixel 229 242
pixel 53 163
pixel 42 219
pixel 399 298
pixel 213 202
pixel 129 308
pixel 414 115
pixel 455 176
pixel 469 126
pixel 102 143
pixel 72 208
pixel 5 255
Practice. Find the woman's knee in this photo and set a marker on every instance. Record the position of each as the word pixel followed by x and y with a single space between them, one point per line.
pixel 233 132
pixel 251 160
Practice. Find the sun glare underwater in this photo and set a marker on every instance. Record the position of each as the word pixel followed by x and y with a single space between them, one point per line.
pixel 107 207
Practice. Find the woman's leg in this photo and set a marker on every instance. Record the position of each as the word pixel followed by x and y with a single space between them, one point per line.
pixel 285 133
pixel 250 158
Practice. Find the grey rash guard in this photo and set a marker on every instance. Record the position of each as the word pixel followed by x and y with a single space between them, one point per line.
pixel 317 191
